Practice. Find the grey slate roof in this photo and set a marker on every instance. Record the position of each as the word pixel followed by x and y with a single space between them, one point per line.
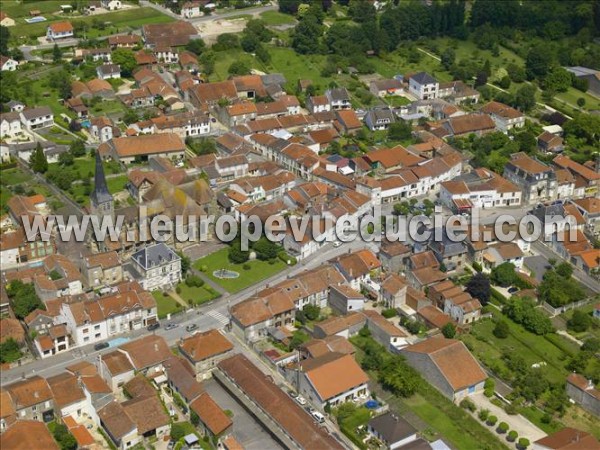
pixel 101 194
pixel 391 427
pixel 338 94
pixel 33 113
pixel 423 78
pixel 154 255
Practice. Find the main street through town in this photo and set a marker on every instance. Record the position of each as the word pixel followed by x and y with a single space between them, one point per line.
pixel 208 316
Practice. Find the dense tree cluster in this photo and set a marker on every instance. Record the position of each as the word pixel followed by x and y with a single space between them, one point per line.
pixel 23 298
pixel 524 312
pixel 558 288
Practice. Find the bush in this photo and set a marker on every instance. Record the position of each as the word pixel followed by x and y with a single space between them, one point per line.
pixel 512 436
pixel 246 266
pixel 285 258
pixel 511 409
pixel 483 414
pixel 491 420
pixel 204 268
pixel 502 428
pixel 178 289
pixel 468 404
pixel 501 329
pixel 523 443
pixel 389 313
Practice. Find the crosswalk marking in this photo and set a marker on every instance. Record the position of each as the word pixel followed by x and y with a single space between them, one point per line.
pixel 219 317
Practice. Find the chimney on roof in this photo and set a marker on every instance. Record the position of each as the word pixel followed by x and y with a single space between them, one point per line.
pixel 155 347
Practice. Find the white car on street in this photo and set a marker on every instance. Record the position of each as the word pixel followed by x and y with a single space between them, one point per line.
pixel 301 400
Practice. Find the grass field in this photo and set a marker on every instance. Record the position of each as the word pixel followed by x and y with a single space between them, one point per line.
pixel 165 304
pixel 276 18
pixel 114 22
pixel 10 177
pixel 259 270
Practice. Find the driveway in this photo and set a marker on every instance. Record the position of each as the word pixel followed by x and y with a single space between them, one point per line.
pixel 517 422
pixel 245 428
pixel 538 265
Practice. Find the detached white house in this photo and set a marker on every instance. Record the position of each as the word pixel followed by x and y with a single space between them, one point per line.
pixel 8 64
pixel 59 30
pixel 423 86
pixel 39 117
pixel 158 266
pixel 112 5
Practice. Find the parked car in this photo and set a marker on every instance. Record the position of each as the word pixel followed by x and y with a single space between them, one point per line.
pixel 336 244
pixel 318 416
pixel 101 346
pixel 301 400
pixel 153 326
pixel 513 290
pixel 310 409
pixel 191 327
pixel 292 394
pixel 170 326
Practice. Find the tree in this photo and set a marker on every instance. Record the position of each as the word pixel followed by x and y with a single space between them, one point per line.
pixel 9 351
pixel 186 263
pixel 289 6
pixel 527 141
pixel 77 148
pixel 125 58
pixel 504 275
pixel 4 38
pixel 362 11
pixel 236 255
pixel 564 269
pixel 66 440
pixel 579 322
pixel 196 46
pixel 558 80
pixel 399 131
pixel 448 57
pixel 258 28
pixel 226 41
pixel 23 298
pixel 66 159
pixel 449 330
pixel 249 43
pixel 581 102
pixel 525 97
pixel 38 160
pixel 585 127
pixel 208 61
pixel 591 345
pixel 56 53
pixel 263 55
pixel 307 35
pixel 265 249
pixel 501 329
pixel 239 68
pixel 74 126
pixel 130 116
pixel 312 312
pixel 538 62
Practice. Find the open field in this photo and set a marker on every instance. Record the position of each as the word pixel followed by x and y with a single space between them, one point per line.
pixel 113 22
pixel 259 270
pixel 276 18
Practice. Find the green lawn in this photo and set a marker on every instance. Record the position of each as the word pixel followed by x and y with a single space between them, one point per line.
pixel 259 270
pixel 396 100
pixel 108 108
pixel 533 348
pixel 276 18
pixel 360 417
pixel 16 9
pixel 10 177
pixel 86 165
pixel 114 22
pixel 196 295
pixel 165 304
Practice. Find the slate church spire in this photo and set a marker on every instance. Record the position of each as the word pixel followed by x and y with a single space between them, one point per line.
pixel 101 200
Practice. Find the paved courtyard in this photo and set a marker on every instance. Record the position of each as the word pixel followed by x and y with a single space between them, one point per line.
pixel 517 422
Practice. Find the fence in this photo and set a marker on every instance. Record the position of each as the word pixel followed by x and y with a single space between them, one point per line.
pixel 561 309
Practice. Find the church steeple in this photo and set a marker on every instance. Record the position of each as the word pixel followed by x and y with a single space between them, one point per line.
pixel 101 200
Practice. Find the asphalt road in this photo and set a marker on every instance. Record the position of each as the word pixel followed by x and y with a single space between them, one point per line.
pixel 211 315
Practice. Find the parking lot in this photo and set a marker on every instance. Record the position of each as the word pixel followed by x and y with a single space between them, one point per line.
pixel 245 428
